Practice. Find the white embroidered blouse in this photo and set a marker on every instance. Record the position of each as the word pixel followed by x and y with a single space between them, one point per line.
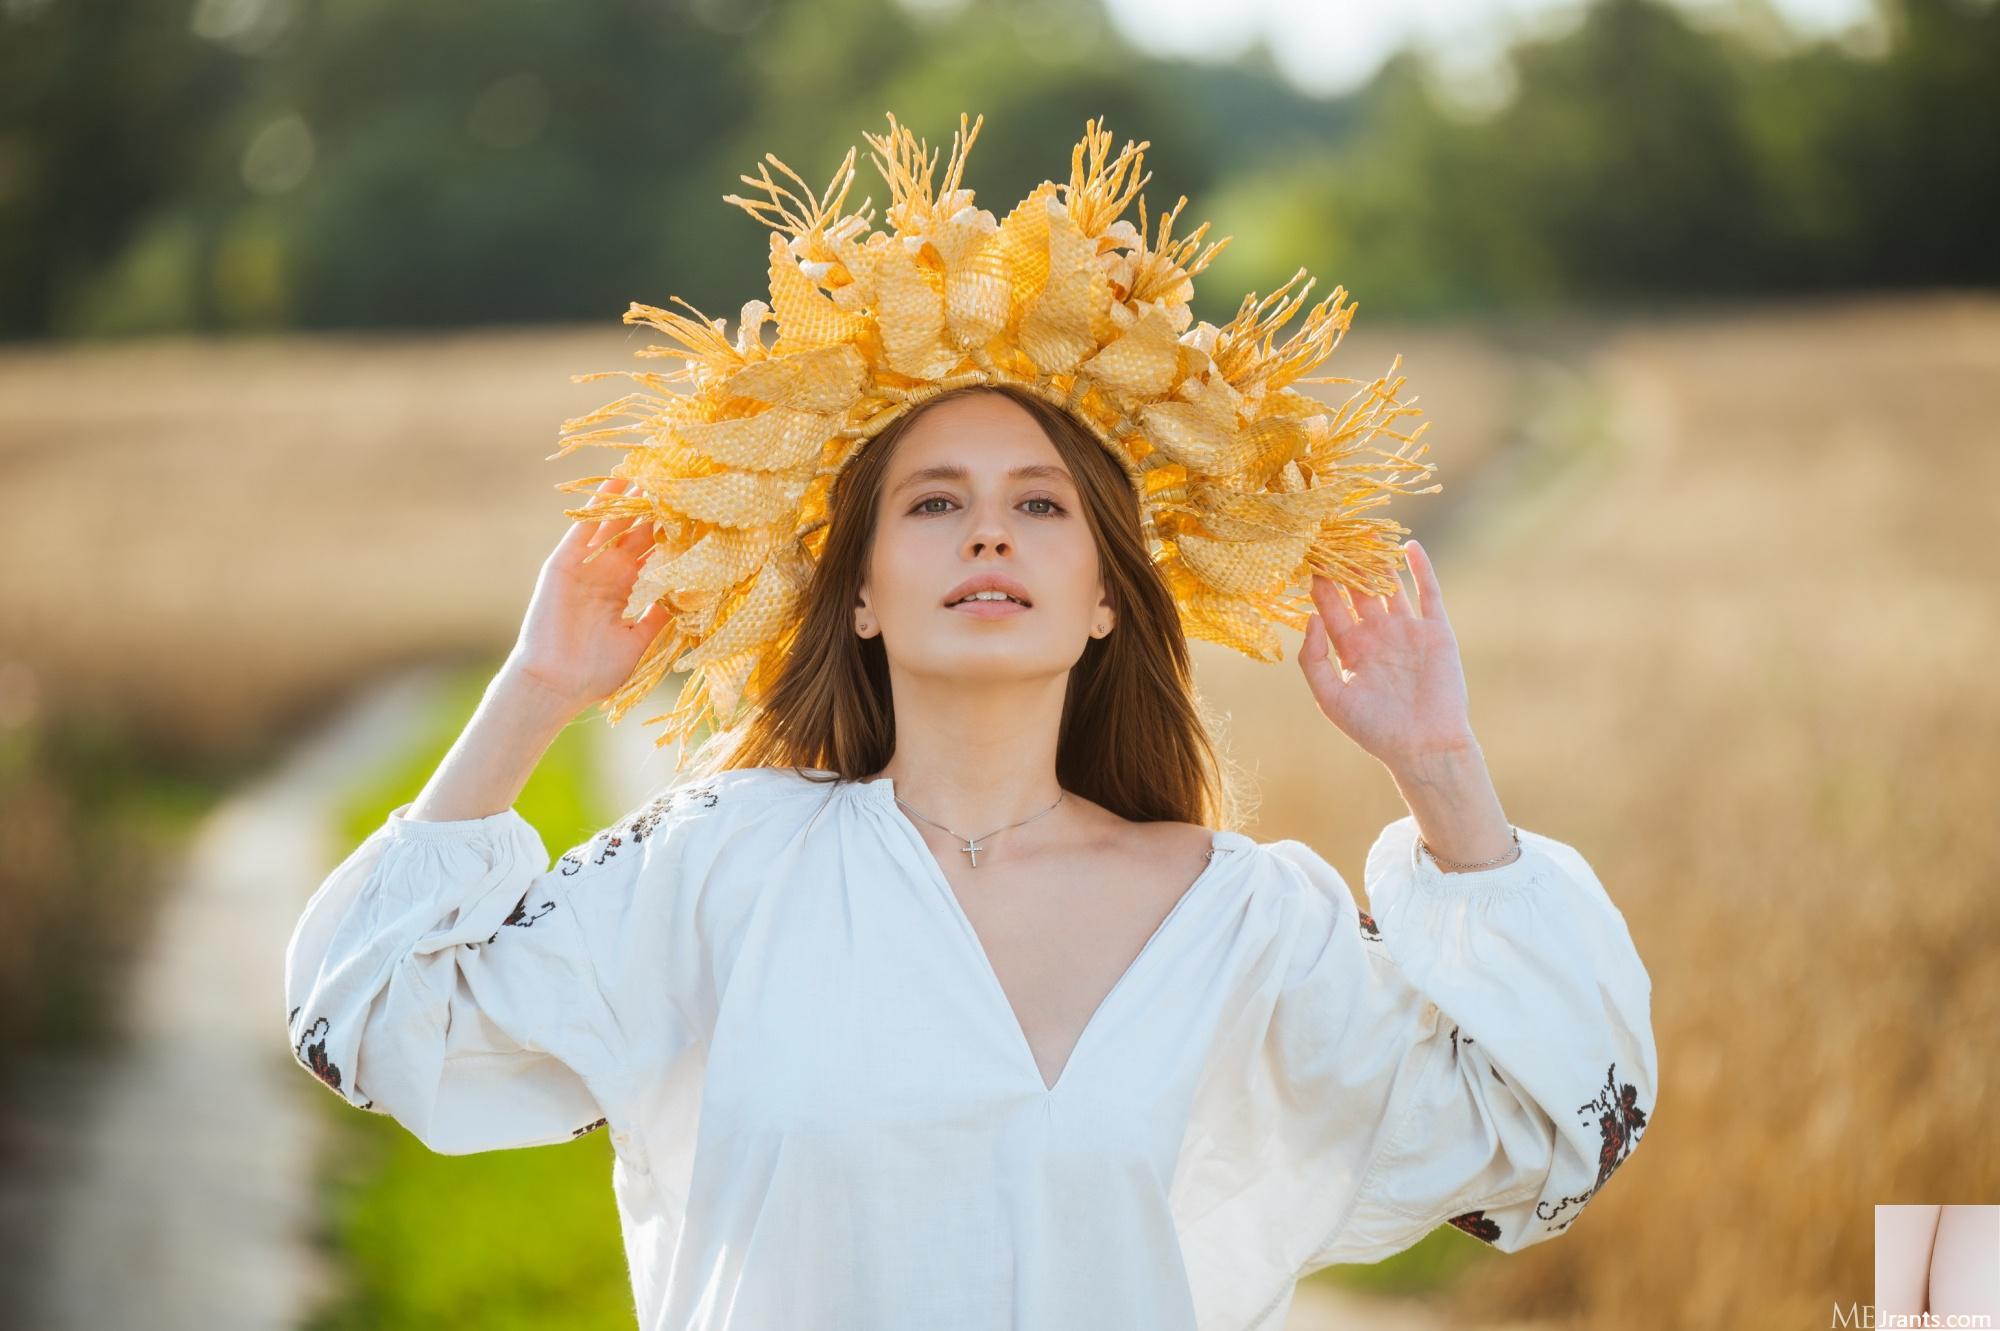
pixel 825 1114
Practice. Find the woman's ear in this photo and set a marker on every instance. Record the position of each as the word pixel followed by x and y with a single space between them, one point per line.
pixel 864 618
pixel 1106 617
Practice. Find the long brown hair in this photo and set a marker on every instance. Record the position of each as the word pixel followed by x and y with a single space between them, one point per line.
pixel 1133 738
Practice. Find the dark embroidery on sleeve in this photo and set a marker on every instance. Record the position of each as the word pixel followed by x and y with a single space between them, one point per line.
pixel 588 1127
pixel 519 918
pixel 608 841
pixel 1552 1212
pixel 519 915
pixel 1458 1038
pixel 1478 1224
pixel 1368 929
pixel 645 820
pixel 313 1056
pixel 637 826
pixel 1620 1120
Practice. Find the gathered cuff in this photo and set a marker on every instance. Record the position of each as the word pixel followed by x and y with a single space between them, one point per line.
pixel 1527 870
pixel 492 826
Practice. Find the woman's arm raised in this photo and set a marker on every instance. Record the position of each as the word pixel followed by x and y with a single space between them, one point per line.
pixel 445 973
pixel 574 648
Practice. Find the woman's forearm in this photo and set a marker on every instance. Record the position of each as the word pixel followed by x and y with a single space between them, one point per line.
pixel 516 721
pixel 1451 796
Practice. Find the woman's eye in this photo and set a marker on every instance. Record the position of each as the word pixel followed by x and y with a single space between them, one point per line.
pixel 1052 509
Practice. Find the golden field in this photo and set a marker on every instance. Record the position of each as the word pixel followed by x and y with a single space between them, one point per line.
pixel 1724 586
pixel 1743 660
pixel 209 536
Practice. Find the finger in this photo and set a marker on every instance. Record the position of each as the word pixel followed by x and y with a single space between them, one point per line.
pixel 635 542
pixel 627 548
pixel 1314 646
pixel 1368 606
pixel 600 529
pixel 1333 602
pixel 1316 659
pixel 1336 612
pixel 1345 606
pixel 649 622
pixel 582 528
pixel 1399 602
pixel 619 544
pixel 1430 595
pixel 623 525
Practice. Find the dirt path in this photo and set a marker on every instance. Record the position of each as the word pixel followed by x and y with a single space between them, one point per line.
pixel 175 1188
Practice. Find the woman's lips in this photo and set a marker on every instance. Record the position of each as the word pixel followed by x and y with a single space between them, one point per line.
pixel 989 609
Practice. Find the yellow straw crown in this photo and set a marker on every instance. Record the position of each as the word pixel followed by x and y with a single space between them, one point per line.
pixel 1246 487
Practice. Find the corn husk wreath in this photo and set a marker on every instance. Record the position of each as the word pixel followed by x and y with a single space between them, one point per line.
pixel 1246 486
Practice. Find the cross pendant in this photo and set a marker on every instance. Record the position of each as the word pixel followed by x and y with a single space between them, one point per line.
pixel 973 848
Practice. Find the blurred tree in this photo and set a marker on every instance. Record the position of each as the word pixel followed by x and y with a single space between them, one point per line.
pixel 260 163
pixel 107 109
pixel 1919 147
pixel 507 160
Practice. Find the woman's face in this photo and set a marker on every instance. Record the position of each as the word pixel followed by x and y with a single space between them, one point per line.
pixel 976 488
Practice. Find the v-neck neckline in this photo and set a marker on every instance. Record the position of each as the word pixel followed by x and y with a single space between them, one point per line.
pixel 882 791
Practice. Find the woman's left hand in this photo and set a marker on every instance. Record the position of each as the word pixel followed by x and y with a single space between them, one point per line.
pixel 1397 688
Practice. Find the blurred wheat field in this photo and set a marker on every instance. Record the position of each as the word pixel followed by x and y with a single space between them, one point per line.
pixel 1722 586
pixel 208 536
pixel 1746 667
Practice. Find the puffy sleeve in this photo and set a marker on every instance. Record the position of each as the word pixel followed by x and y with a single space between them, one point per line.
pixel 446 974
pixel 1476 1049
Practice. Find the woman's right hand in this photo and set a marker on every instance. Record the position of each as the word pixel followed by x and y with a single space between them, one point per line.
pixel 574 641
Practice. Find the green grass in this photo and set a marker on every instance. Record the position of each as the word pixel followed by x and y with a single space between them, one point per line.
pixel 561 799
pixel 1434 1263
pixel 502 1240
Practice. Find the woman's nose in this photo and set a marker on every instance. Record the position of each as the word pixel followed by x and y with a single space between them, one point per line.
pixel 988 533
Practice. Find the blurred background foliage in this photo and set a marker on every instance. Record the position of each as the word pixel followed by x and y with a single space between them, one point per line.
pixel 266 164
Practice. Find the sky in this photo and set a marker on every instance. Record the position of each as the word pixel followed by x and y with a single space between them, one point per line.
pixel 1328 47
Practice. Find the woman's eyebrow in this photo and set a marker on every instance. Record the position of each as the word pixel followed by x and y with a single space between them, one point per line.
pixel 951 471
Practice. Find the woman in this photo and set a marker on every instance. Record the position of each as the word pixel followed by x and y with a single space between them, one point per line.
pixel 942 1004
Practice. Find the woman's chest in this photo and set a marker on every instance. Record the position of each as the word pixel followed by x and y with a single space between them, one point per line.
pixel 1058 940
pixel 860 1004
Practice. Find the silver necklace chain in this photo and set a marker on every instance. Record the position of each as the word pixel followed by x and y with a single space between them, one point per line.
pixel 973 846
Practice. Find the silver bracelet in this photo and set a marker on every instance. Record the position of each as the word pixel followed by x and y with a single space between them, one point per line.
pixel 1482 864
